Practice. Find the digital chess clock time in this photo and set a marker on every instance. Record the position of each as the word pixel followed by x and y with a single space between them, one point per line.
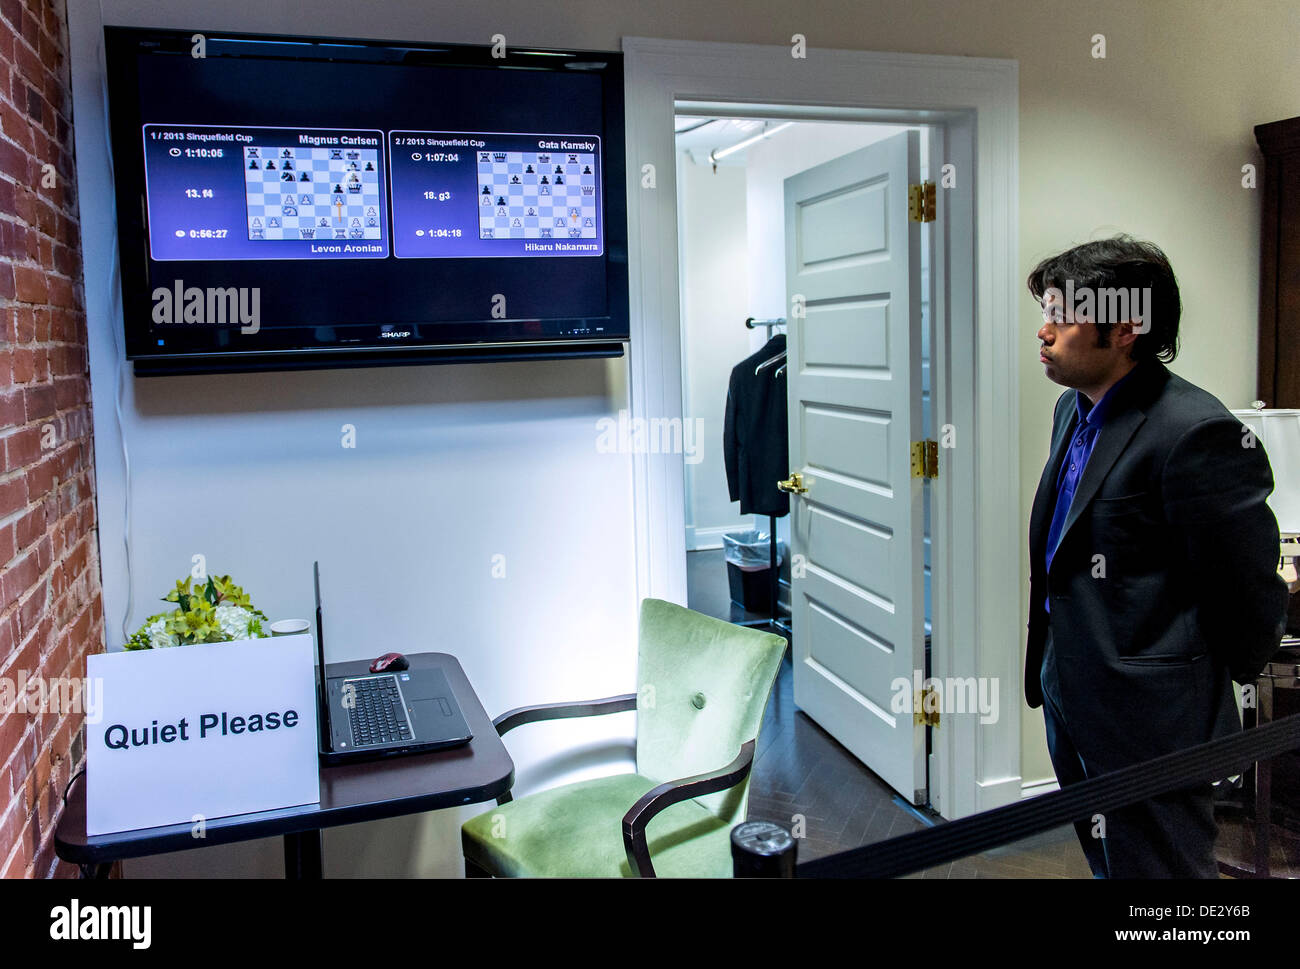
pixel 252 192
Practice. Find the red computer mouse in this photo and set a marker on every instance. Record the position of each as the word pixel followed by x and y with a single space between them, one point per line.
pixel 390 663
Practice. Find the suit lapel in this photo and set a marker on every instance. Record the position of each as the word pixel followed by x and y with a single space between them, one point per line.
pixel 1127 414
pixel 1114 435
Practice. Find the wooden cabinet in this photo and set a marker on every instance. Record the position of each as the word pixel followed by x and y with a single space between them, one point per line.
pixel 1279 275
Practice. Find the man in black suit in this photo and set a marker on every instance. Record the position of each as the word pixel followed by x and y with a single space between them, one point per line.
pixel 1153 556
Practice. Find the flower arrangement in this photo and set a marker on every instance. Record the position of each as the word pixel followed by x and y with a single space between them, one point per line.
pixel 217 611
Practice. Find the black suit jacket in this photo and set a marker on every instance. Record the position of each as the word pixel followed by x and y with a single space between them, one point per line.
pixel 1164 585
pixel 755 447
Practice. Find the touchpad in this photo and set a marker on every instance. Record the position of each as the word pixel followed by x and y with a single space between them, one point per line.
pixel 428 713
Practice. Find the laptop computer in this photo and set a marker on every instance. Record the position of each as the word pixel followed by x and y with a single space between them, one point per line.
pixel 372 715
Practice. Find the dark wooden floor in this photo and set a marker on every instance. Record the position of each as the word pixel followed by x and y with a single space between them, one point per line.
pixel 801 771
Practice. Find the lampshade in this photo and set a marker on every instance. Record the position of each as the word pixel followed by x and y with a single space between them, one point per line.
pixel 1279 432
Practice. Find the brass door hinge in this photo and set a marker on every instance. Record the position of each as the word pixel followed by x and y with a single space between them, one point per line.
pixel 926 711
pixel 925 459
pixel 920 202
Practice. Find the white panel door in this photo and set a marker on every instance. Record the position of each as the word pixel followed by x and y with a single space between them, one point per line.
pixel 853 278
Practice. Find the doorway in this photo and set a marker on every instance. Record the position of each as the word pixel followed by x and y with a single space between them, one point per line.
pixel 739 231
pixel 972 103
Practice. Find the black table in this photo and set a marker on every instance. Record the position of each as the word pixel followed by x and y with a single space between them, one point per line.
pixel 479 771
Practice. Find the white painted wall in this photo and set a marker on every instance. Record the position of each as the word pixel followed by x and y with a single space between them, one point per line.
pixel 715 303
pixel 767 165
pixel 453 466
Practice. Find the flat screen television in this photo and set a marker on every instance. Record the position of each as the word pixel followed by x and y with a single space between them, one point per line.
pixel 300 202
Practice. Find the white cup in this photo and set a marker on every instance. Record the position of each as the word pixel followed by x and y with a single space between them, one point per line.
pixel 289 627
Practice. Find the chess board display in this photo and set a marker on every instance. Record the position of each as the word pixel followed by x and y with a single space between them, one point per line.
pixel 312 193
pixel 496 195
pixel 252 192
pixel 537 195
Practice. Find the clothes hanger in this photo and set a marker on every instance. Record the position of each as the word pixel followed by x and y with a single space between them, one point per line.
pixel 769 361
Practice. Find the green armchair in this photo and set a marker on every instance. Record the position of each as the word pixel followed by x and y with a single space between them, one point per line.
pixel 702 687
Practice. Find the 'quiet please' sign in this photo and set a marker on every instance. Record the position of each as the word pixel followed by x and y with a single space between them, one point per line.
pixel 194 733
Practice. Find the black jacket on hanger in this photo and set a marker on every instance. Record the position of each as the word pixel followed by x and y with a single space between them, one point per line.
pixel 754 443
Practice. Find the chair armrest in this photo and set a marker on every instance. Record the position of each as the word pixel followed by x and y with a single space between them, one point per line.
pixel 669 793
pixel 559 711
pixel 562 711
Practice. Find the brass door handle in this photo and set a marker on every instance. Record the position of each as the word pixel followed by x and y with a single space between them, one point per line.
pixel 793 484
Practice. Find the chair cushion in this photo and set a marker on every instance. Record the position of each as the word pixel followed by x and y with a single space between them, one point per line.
pixel 575 831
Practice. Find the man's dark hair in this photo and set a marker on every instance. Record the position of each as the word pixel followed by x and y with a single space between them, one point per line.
pixel 1119 263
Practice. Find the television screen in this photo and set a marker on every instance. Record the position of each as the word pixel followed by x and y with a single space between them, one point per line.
pixel 295 201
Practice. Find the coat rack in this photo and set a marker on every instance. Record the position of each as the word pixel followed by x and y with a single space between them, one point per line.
pixel 776 622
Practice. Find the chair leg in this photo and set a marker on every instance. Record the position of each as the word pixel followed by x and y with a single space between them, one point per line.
pixel 475 871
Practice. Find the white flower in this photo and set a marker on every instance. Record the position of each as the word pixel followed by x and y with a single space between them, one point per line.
pixel 159 637
pixel 234 621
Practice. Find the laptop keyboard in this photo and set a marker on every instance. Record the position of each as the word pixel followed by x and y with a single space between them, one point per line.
pixel 378 716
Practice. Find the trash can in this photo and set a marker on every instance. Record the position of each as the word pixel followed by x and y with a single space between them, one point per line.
pixel 749 568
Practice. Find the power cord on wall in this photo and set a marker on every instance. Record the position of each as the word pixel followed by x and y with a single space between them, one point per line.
pixel 114 279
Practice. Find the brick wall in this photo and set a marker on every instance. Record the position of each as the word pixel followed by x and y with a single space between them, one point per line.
pixel 51 614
